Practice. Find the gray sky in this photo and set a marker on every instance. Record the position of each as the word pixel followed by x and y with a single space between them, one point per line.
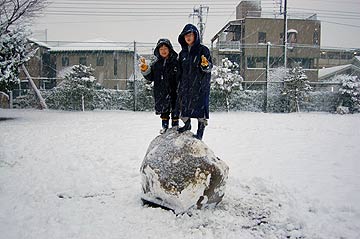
pixel 147 21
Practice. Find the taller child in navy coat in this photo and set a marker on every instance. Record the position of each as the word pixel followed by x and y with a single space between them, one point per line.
pixel 163 72
pixel 194 75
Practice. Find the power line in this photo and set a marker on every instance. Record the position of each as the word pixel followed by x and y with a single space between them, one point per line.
pixel 319 10
pixel 342 24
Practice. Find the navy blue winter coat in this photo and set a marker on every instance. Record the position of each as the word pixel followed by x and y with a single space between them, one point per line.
pixel 194 85
pixel 164 74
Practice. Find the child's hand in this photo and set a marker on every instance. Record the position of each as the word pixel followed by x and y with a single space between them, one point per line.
pixel 143 66
pixel 204 61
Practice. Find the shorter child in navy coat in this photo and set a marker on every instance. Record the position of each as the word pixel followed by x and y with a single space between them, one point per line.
pixel 163 72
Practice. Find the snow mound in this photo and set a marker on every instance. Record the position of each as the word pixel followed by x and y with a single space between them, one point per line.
pixel 180 172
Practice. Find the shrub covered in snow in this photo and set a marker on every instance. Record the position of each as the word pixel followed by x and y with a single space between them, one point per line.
pixel 350 92
pixel 79 85
pixel 296 88
pixel 324 101
pixel 275 99
pixel 225 79
pixel 144 95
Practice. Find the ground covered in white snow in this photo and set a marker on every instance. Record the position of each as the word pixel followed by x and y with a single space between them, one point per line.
pixel 76 175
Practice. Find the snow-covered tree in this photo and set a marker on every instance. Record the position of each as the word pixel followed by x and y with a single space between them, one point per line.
pixel 226 79
pixel 350 92
pixel 13 44
pixel 78 86
pixel 13 53
pixel 296 88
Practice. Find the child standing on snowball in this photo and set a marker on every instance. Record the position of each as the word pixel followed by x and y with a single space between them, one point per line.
pixel 163 72
pixel 194 87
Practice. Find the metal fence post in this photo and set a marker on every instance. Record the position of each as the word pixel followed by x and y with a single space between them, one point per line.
pixel 135 61
pixel 11 100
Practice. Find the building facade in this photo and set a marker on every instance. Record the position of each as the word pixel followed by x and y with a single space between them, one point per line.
pixel 245 41
pixel 330 57
pixel 113 64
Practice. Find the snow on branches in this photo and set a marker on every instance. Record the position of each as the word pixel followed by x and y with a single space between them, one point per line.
pixel 350 92
pixel 78 86
pixel 226 79
pixel 14 51
pixel 296 88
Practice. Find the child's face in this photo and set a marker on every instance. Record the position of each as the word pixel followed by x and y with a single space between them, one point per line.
pixel 190 38
pixel 164 51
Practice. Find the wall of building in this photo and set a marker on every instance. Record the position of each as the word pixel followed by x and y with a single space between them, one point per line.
pixel 112 68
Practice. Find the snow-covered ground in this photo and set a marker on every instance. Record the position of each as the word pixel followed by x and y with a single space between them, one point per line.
pixel 76 175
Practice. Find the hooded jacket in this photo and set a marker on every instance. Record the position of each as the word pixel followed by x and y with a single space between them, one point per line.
pixel 163 72
pixel 194 79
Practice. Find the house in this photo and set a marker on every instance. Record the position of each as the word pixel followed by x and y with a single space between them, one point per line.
pixel 113 62
pixel 328 76
pixel 353 69
pixel 336 56
pixel 39 68
pixel 245 39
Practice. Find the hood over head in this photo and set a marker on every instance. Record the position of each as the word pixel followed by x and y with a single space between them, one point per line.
pixel 187 29
pixel 166 42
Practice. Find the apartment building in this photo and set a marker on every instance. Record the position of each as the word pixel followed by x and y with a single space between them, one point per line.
pixel 245 41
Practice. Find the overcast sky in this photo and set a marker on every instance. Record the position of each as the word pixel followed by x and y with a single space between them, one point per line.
pixel 147 21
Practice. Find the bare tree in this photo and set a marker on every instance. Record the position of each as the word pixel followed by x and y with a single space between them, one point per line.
pixel 15 11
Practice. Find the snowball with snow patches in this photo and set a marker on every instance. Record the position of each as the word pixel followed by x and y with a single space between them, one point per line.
pixel 180 172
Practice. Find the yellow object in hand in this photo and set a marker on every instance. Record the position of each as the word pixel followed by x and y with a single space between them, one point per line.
pixel 204 61
pixel 143 65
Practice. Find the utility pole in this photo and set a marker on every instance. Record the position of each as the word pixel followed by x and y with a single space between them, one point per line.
pixel 135 66
pixel 285 33
pixel 199 12
pixel 268 45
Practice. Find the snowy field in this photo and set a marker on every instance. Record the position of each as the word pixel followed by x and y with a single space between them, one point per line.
pixel 76 175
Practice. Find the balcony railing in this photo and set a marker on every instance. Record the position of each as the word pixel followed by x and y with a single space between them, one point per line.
pixel 229 46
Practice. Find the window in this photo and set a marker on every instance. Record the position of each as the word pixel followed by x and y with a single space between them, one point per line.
pixel 292 36
pixel 100 61
pixel 281 38
pixel 262 37
pixel 316 37
pixel 115 67
pixel 256 62
pixel 65 61
pixel 82 61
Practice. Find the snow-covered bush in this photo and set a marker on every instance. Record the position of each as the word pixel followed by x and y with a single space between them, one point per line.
pixel 106 99
pixel 296 88
pixel 144 95
pixel 324 101
pixel 275 84
pixel 350 92
pixel 225 79
pixel 79 84
pixel 241 100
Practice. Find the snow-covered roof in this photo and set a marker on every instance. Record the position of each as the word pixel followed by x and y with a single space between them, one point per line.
pixel 331 70
pixel 93 45
pixel 39 43
pixel 357 58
